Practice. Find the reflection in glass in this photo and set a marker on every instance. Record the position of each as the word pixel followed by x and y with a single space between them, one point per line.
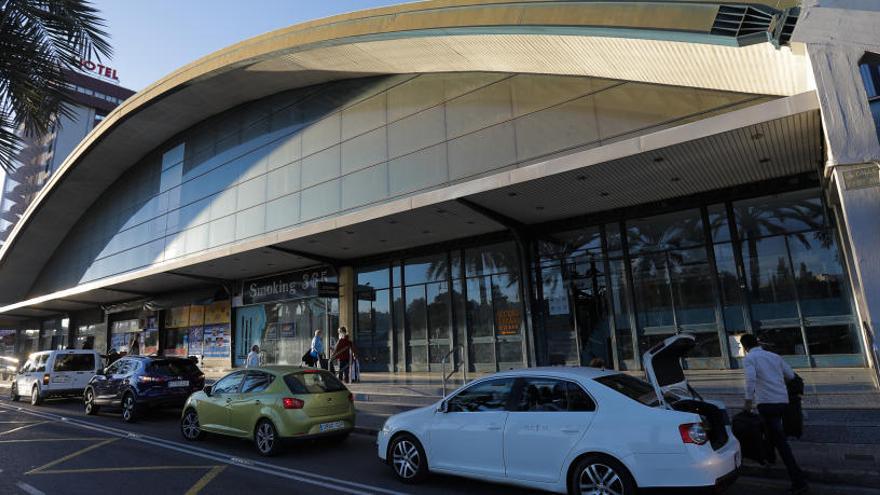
pixel 668 231
pixel 833 339
pixel 692 286
pixel 819 274
pixel 782 213
pixel 771 284
pixel 731 292
pixel 652 288
pixel 782 341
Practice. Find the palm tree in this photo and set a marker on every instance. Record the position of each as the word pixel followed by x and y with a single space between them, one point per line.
pixel 39 40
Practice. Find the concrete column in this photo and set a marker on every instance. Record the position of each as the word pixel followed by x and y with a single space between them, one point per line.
pixel 858 203
pixel 347 300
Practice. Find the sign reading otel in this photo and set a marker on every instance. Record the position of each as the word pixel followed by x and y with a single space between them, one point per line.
pixel 99 69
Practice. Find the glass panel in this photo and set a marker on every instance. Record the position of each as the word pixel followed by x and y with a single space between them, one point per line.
pixel 719 225
pixel 364 116
pixel 399 331
pixel 619 300
pixel 416 312
pixel 692 286
pixel 558 328
pixel 572 241
pixel 669 231
pixel 781 213
pixel 321 166
pixel 419 170
pixel 478 109
pixel 731 292
pixel 479 307
pixel 508 308
pixel 821 282
pixel 833 339
pixel 414 133
pixel 426 269
pixel 783 341
pixel 653 295
pixel 418 93
pixel 382 331
pixel 365 150
pixel 282 212
pixel 365 186
pixel 439 324
pixel 536 92
pixel 497 258
pixel 707 352
pixel 486 396
pixel 589 295
pixel 320 200
pixel 377 278
pixel 566 126
pixel 482 151
pixel 771 285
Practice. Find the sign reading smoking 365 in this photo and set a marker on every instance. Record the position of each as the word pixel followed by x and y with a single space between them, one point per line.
pixel 295 285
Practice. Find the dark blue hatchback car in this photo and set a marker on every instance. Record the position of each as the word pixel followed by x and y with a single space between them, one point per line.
pixel 137 383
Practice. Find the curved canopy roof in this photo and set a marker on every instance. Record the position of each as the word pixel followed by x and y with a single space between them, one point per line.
pixel 682 42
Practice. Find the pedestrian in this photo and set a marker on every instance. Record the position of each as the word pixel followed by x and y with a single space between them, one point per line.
pixel 112 356
pixel 766 374
pixel 317 348
pixel 253 357
pixel 346 352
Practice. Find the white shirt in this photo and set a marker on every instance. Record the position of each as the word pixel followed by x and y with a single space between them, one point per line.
pixel 253 360
pixel 766 374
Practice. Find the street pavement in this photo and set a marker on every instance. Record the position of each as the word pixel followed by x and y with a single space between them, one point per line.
pixel 57 449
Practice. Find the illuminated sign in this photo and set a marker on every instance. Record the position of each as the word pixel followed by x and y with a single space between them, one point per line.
pixel 99 69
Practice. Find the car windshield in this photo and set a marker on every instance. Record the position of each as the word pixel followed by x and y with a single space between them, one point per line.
pixel 173 367
pixel 313 382
pixel 632 387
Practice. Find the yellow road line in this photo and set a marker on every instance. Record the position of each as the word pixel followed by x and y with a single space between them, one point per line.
pixel 67 439
pixel 23 427
pixel 203 482
pixel 71 456
pixel 117 469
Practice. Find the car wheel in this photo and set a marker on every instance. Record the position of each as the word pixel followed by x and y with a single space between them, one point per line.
pixel 129 408
pixel 36 400
pixel 408 459
pixel 266 438
pixel 189 426
pixel 13 392
pixel 89 402
pixel 600 475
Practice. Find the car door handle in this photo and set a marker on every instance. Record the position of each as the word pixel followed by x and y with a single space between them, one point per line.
pixel 571 430
pixel 493 427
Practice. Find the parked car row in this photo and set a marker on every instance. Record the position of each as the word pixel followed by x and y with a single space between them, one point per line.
pixel 560 429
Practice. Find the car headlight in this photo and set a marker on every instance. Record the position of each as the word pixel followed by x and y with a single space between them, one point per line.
pixel 386 428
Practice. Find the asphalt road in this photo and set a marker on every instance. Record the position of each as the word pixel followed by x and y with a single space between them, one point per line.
pixel 56 449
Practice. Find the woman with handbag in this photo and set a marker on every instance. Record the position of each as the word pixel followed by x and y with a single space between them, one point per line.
pixel 316 350
pixel 346 352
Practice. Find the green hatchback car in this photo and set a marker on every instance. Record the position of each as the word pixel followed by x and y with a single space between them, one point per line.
pixel 271 404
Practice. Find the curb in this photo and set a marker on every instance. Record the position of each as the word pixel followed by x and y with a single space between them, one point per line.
pixel 837 477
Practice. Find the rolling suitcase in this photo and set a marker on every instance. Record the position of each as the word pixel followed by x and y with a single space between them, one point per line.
pixel 749 430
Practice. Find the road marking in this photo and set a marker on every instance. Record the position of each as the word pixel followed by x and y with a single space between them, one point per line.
pixel 67 439
pixel 117 469
pixel 71 456
pixel 28 489
pixel 204 480
pixel 23 427
pixel 320 480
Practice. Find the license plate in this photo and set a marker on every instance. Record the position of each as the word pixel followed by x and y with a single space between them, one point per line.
pixel 336 425
pixel 179 383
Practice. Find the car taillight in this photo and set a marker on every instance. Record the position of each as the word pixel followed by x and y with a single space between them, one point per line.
pixel 693 433
pixel 149 379
pixel 46 379
pixel 292 403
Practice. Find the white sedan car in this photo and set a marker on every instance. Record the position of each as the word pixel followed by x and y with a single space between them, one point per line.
pixel 571 430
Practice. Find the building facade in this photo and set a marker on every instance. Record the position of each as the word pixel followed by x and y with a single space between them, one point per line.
pixel 91 100
pixel 486 185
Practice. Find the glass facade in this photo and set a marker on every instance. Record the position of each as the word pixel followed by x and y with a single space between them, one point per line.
pixel 414 312
pixel 310 153
pixel 768 265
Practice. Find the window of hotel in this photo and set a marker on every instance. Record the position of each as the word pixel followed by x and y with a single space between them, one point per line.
pixel 870 69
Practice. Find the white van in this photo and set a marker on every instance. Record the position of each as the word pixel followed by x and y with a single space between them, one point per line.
pixel 63 373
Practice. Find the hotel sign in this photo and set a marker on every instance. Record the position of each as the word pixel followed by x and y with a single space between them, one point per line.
pixel 296 285
pixel 98 69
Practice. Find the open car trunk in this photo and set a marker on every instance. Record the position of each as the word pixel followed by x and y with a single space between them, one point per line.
pixel 665 372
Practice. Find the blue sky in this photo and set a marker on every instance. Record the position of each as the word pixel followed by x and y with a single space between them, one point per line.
pixel 152 38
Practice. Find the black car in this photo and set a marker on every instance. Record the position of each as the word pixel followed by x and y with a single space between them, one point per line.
pixel 137 383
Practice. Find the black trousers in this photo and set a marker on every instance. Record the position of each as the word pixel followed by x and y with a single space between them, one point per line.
pixel 771 415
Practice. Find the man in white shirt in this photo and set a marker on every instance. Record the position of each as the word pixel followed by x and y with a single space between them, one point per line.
pixel 253 358
pixel 766 374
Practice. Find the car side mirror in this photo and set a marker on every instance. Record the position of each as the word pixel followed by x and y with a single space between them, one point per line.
pixel 443 407
pixel 208 389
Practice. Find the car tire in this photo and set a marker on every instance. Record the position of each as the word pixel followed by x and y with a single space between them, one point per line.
pixel 408 460
pixel 266 438
pixel 91 408
pixel 129 408
pixel 595 473
pixel 36 398
pixel 190 427
pixel 13 393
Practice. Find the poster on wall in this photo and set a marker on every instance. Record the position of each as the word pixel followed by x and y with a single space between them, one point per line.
pixel 150 337
pixel 218 312
pixel 196 340
pixel 196 316
pixel 217 341
pixel 177 317
pixel 507 321
pixel 287 330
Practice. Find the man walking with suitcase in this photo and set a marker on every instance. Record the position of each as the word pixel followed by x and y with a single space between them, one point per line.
pixel 766 374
